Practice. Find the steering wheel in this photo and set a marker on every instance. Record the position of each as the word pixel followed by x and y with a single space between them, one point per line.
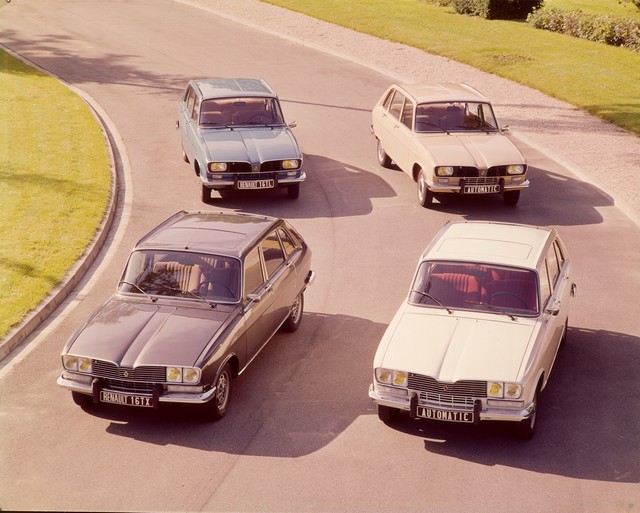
pixel 203 290
pixel 510 294
pixel 260 116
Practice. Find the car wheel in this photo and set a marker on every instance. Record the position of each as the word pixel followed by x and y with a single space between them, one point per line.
pixel 295 316
pixel 425 196
pixel 206 194
pixel 219 405
pixel 83 400
pixel 511 197
pixel 383 159
pixel 293 191
pixel 184 156
pixel 525 429
pixel 387 415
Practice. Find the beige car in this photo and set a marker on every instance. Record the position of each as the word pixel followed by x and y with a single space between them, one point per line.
pixel 447 138
pixel 478 334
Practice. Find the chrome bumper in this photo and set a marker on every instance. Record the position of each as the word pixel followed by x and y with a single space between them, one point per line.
pixel 163 397
pixel 485 412
pixel 230 182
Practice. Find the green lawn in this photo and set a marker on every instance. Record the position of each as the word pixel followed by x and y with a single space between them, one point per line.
pixel 55 183
pixel 597 78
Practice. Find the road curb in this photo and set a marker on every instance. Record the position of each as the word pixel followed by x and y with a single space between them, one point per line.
pixel 36 316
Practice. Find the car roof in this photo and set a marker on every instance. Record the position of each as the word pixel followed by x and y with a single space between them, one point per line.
pixel 221 233
pixel 231 87
pixel 427 92
pixel 507 244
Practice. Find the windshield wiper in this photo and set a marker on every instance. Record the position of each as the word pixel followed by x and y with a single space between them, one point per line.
pixel 492 307
pixel 197 296
pixel 436 301
pixel 153 299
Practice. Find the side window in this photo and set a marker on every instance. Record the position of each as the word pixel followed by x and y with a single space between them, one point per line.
pixel 407 114
pixel 272 253
pixel 559 254
pixel 387 101
pixel 545 287
pixel 196 109
pixel 190 99
pixel 253 277
pixel 552 262
pixel 396 105
pixel 287 242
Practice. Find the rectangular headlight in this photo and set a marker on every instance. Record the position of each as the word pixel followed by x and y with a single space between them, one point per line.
pixel 517 169
pixel 444 170
pixel 217 166
pixel 290 164
pixel 77 363
pixel 391 377
pixel 174 374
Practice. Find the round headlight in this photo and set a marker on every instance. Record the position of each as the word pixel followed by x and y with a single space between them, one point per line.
pixel 190 375
pixel 383 376
pixel 495 389
pixel 517 169
pixel 444 170
pixel 70 362
pixel 174 374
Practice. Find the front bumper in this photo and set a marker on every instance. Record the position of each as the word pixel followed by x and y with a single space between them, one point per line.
pixel 459 188
pixel 159 395
pixel 480 408
pixel 230 180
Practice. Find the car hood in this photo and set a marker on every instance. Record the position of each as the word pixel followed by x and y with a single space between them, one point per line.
pixel 133 334
pixel 455 347
pixel 479 150
pixel 254 145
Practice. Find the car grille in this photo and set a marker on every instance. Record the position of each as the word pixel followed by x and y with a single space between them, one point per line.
pixel 150 374
pixel 473 172
pixel 460 394
pixel 256 176
pixel 270 166
pixel 484 180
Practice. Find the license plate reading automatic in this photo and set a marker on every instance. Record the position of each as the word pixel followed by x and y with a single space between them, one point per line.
pixel 445 415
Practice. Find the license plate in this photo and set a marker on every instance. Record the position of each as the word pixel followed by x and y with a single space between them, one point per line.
pixel 445 415
pixel 126 399
pixel 256 184
pixel 481 189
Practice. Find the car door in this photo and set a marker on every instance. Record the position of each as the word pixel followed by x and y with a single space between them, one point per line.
pixel 281 255
pixel 555 295
pixel 188 125
pixel 258 301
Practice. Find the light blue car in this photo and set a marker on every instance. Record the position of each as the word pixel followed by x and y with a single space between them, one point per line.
pixel 234 135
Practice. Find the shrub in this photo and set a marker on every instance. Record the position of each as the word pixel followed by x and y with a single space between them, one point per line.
pixel 497 9
pixel 606 29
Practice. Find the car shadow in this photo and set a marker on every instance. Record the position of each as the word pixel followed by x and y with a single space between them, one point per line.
pixel 332 188
pixel 306 389
pixel 298 395
pixel 589 422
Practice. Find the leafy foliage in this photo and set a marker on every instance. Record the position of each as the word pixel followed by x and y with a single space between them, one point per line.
pixel 497 9
pixel 606 29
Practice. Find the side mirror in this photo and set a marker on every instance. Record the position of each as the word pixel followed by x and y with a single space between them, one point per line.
pixel 293 124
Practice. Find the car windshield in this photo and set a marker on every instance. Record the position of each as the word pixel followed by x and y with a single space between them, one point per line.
pixel 455 116
pixel 228 112
pixel 471 286
pixel 182 274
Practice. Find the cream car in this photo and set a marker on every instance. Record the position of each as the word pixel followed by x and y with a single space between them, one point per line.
pixel 447 138
pixel 478 334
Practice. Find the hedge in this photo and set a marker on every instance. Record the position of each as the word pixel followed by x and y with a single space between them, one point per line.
pixel 497 9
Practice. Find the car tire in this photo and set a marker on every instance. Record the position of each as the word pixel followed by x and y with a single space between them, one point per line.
pixel 525 429
pixel 219 405
pixel 511 197
pixel 383 159
pixel 83 400
pixel 293 191
pixel 425 196
pixel 387 415
pixel 206 194
pixel 293 321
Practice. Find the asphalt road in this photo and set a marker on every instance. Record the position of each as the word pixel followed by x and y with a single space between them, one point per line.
pixel 302 434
